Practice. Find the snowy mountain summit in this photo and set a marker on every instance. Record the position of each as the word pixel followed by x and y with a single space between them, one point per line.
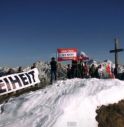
pixel 64 104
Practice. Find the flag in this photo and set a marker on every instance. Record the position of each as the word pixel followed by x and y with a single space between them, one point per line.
pixel 82 56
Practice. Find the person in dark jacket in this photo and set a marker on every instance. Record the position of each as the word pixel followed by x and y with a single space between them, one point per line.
pixel 10 71
pixel 20 69
pixel 92 71
pixel 74 68
pixel 33 66
pixel 122 76
pixel 115 72
pixel 96 73
pixel 68 71
pixel 53 65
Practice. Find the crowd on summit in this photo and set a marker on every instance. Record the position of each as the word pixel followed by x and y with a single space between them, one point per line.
pixel 77 69
pixel 80 69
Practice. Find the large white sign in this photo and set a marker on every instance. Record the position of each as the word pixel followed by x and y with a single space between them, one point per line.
pixel 18 81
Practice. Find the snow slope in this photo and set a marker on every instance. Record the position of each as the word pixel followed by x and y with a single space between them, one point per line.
pixel 67 103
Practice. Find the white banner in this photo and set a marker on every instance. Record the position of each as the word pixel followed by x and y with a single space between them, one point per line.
pixel 18 81
pixel 70 54
pixel 67 54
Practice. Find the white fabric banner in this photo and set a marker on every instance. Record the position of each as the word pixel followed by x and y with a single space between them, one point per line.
pixel 68 54
pixel 18 81
pixel 64 54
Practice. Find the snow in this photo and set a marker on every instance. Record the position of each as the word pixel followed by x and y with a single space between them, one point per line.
pixel 66 103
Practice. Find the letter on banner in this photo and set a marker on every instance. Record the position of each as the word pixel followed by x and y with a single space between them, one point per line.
pixel 18 81
pixel 64 54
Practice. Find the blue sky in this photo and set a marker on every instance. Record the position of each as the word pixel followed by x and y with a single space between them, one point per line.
pixel 32 30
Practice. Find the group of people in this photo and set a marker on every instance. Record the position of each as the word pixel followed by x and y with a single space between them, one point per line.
pixel 77 69
pixel 80 69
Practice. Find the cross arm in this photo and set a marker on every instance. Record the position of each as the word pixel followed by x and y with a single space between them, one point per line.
pixel 116 50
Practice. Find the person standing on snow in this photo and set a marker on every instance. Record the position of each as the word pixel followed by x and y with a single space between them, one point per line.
pixel 53 72
pixel 85 70
pixel 69 72
pixel 116 72
pixel 98 72
pixel 74 68
pixel 92 71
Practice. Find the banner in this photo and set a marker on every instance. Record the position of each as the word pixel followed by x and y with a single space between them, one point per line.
pixel 64 54
pixel 18 81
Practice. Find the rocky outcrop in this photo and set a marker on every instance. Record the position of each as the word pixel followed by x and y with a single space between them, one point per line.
pixel 111 115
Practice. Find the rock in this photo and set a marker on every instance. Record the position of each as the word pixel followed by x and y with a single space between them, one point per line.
pixel 111 115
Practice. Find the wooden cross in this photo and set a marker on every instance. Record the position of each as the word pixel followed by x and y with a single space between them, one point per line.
pixel 116 50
